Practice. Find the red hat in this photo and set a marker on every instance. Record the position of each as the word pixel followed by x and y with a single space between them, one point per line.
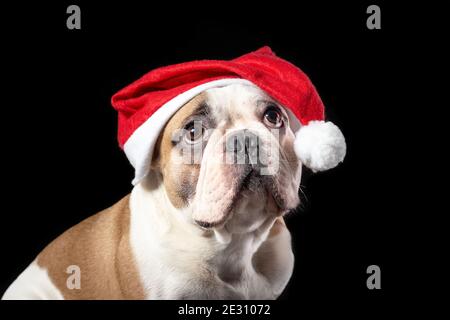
pixel 146 105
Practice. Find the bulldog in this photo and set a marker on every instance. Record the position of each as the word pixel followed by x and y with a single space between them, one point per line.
pixel 207 230
pixel 218 148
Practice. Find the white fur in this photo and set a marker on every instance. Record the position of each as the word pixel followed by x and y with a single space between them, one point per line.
pixel 320 145
pixel 33 284
pixel 177 260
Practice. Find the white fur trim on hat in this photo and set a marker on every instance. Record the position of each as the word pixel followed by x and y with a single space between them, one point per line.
pixel 320 145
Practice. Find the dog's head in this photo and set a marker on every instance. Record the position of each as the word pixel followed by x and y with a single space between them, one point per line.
pixel 223 145
pixel 228 156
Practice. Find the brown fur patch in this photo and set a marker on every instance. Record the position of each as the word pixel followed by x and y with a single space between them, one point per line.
pixel 100 246
pixel 179 179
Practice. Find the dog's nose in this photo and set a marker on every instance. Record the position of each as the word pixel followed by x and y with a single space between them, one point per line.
pixel 243 147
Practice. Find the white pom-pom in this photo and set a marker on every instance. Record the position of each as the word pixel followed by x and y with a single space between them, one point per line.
pixel 320 145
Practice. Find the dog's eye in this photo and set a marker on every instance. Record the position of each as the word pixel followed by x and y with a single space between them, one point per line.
pixel 272 117
pixel 194 131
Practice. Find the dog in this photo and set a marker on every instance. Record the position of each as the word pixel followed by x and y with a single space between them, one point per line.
pixel 218 149
pixel 207 230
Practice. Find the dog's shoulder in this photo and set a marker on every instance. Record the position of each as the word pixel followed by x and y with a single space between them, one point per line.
pixel 99 248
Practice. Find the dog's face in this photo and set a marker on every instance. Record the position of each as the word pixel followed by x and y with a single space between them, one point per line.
pixel 228 157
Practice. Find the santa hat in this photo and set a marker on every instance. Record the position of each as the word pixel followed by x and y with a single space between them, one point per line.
pixel 146 105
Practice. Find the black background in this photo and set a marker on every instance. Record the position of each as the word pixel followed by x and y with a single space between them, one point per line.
pixel 63 163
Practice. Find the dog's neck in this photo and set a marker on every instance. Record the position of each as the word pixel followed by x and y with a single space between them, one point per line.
pixel 158 228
